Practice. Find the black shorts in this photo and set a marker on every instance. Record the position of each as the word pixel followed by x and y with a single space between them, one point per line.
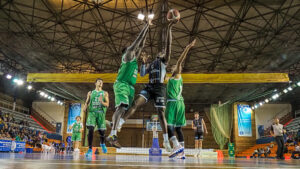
pixel 157 92
pixel 199 135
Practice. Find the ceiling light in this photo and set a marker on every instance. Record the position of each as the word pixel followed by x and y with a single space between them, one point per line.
pixel 285 91
pixel 8 76
pixel 42 93
pixel 290 88
pixel 20 82
pixel 267 100
pixel 261 103
pixel 49 97
pixel 141 16
pixel 275 96
pixel 29 87
pixel 298 83
pixel 256 106
pixel 252 108
pixel 46 95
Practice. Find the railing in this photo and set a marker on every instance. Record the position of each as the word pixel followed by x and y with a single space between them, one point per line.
pixel 43 121
pixel 45 115
pixel 10 106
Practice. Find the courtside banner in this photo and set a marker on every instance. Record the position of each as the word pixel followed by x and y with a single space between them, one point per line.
pixel 244 120
pixel 74 111
pixel 5 145
pixel 20 146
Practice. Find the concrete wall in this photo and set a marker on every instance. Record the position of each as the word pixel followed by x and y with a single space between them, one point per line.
pixel 50 111
pixel 265 114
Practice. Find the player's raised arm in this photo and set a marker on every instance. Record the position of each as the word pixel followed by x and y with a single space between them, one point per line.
pixel 182 57
pixel 168 43
pixel 133 48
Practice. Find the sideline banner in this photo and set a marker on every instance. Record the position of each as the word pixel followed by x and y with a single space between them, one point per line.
pixel 6 145
pixel 244 120
pixel 74 111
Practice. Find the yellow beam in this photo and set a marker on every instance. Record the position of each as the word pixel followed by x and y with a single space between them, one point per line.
pixel 187 78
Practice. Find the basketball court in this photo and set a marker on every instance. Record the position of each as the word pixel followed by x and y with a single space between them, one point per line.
pixel 149 84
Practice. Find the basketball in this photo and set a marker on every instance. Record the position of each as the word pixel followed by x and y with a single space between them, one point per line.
pixel 173 14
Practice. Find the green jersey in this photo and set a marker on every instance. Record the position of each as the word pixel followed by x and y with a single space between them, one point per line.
pixel 174 89
pixel 77 127
pixel 128 71
pixel 95 104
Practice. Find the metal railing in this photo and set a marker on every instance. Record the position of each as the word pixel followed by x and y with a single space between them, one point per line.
pixel 10 106
pixel 45 115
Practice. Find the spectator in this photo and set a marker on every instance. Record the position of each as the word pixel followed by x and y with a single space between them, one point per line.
pixel 260 152
pixel 277 131
pixel 255 152
pixel 297 151
pixel 267 152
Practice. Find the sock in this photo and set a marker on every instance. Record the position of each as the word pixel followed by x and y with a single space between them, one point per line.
pixel 182 143
pixel 121 122
pixel 166 137
pixel 174 141
pixel 113 132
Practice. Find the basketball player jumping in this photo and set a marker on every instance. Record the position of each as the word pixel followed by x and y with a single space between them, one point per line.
pixel 175 111
pixel 155 89
pixel 126 79
pixel 97 103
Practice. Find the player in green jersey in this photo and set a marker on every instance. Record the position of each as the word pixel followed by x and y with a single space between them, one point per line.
pixel 76 133
pixel 175 110
pixel 96 103
pixel 126 79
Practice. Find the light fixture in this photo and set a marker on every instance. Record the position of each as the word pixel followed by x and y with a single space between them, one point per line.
pixel 46 95
pixel 58 102
pixel 290 88
pixel 267 100
pixel 298 83
pixel 52 98
pixel 256 106
pixel 29 87
pixel 42 93
pixel 261 103
pixel 151 14
pixel 20 82
pixel 285 91
pixel 8 76
pixel 141 16
pixel 275 96
pixel 15 80
pixel 252 108
pixel 49 97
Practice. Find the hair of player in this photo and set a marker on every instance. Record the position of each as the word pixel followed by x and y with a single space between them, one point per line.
pixel 196 113
pixel 78 117
pixel 124 50
pixel 99 79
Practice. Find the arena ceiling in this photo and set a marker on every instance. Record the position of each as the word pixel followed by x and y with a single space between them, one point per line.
pixel 87 36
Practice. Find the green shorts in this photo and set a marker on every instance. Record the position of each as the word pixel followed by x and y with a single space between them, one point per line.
pixel 76 137
pixel 175 113
pixel 96 119
pixel 124 94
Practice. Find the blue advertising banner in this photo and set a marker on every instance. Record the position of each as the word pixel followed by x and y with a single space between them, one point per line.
pixel 5 145
pixel 244 120
pixel 20 146
pixel 74 111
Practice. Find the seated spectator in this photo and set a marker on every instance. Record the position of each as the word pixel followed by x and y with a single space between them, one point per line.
pixel 297 151
pixel 255 152
pixel 267 152
pixel 260 152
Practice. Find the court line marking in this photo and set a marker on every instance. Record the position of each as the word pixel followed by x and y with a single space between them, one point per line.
pixel 144 165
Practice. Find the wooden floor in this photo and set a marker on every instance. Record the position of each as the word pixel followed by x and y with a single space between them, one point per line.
pixel 54 161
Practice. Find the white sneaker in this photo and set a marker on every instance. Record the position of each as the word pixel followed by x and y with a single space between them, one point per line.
pixel 181 156
pixel 176 151
pixel 121 122
pixel 167 146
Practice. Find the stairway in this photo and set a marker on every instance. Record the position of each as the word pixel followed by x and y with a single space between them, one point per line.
pixel 42 121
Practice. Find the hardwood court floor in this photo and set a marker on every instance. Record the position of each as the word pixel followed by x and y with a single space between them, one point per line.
pixel 55 161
